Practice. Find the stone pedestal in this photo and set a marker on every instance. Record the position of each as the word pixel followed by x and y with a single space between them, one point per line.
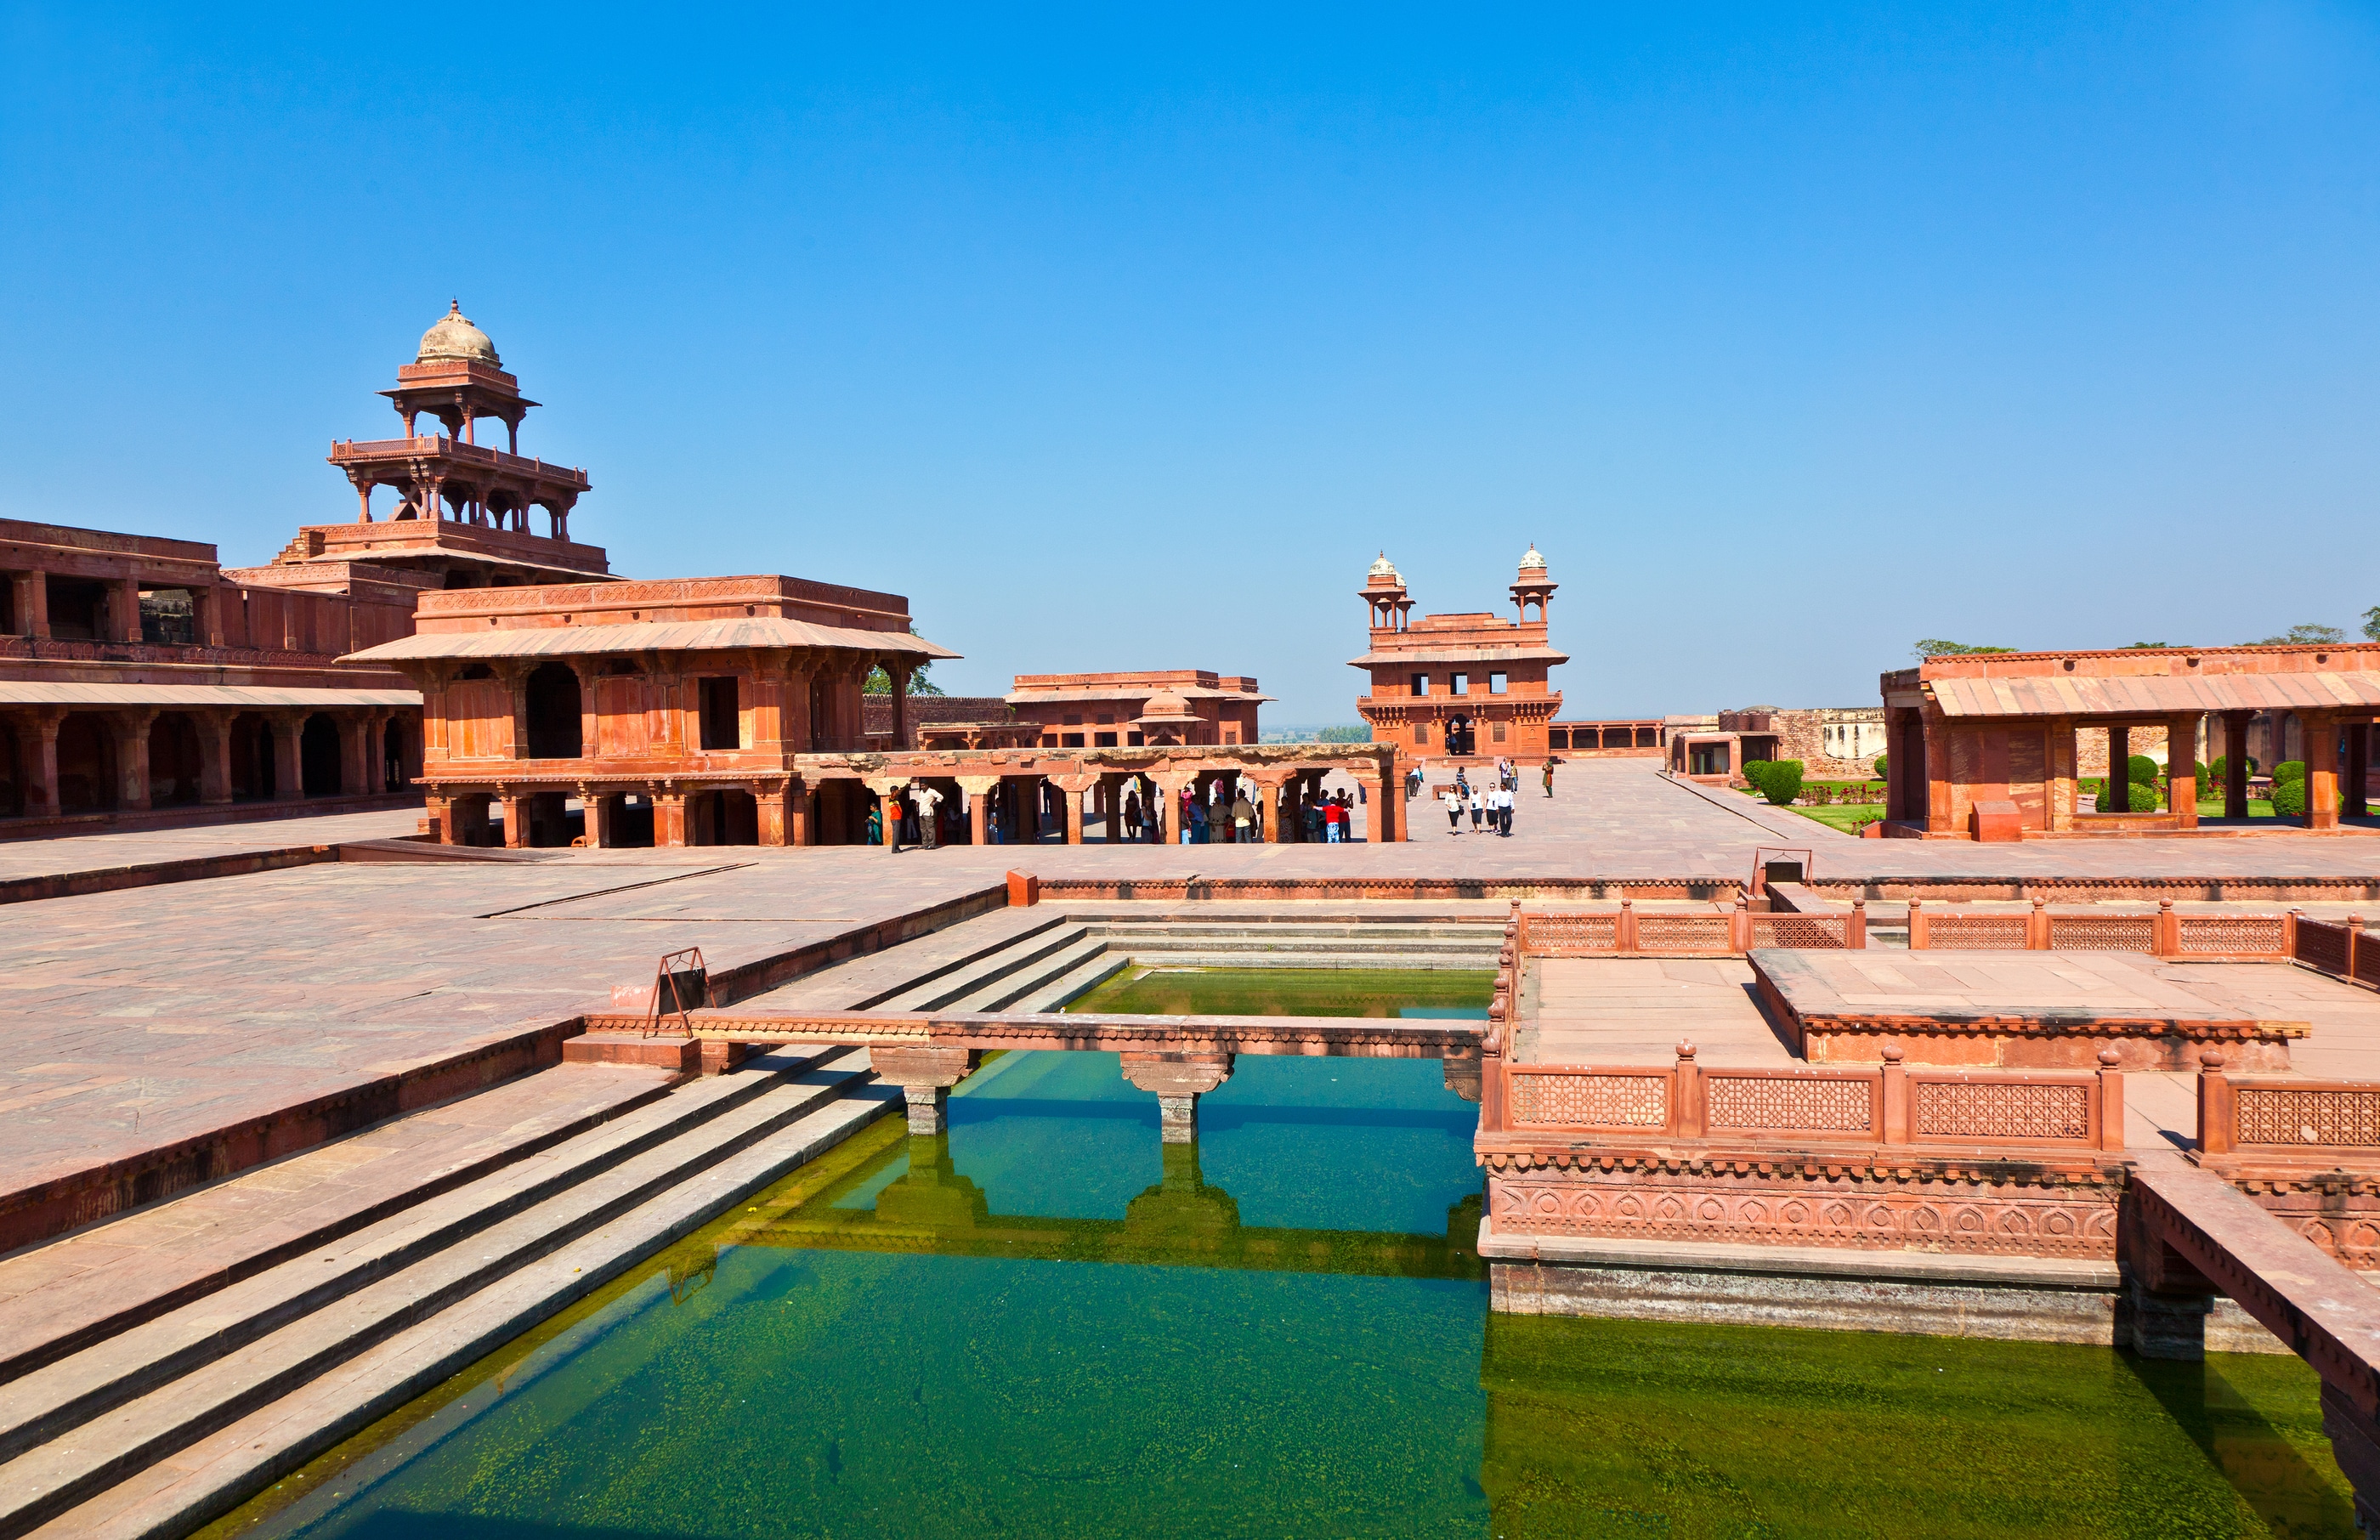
pixel 1177 1081
pixel 925 1076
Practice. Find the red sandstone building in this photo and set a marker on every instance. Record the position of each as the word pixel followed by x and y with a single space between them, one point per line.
pixel 141 682
pixel 1988 745
pixel 1459 687
pixel 1125 710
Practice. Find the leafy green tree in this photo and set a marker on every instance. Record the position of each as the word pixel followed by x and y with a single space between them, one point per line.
pixel 880 682
pixel 1358 734
pixel 2129 646
pixel 2371 623
pixel 2307 635
pixel 1935 647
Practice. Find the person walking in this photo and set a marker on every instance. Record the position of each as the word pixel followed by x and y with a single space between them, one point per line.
pixel 930 816
pixel 1548 773
pixel 1478 810
pixel 1453 801
pixel 1504 811
pixel 1132 815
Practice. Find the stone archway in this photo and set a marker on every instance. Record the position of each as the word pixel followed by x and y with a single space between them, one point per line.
pixel 86 764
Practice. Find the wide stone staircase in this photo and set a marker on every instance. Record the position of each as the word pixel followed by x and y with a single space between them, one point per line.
pixel 1041 958
pixel 157 1369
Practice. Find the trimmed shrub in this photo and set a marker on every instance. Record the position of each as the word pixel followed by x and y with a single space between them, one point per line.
pixel 1881 772
pixel 2141 770
pixel 2144 798
pixel 1753 771
pixel 2221 769
pixel 2288 796
pixel 1782 784
pixel 2289 770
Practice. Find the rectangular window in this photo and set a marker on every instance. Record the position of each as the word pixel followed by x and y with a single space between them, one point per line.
pixel 1558 737
pixel 1049 740
pixel 1069 740
pixel 1133 740
pixel 1459 686
pixel 1421 733
pixel 1496 732
pixel 1103 740
pixel 1495 684
pixel 1230 735
pixel 1074 719
pixel 1107 718
pixel 1421 683
pixel 722 720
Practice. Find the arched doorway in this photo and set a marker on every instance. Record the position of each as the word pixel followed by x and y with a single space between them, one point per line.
pixel 723 818
pixel 318 757
pixel 251 758
pixel 12 771
pixel 86 765
pixel 174 761
pixel 392 756
pixel 553 712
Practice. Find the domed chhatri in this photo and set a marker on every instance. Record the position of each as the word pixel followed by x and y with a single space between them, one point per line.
pixel 1534 560
pixel 1383 567
pixel 1166 707
pixel 455 338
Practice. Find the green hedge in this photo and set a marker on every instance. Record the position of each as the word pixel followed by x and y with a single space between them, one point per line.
pixel 1880 764
pixel 2144 798
pixel 2288 796
pixel 2222 767
pixel 2289 770
pixel 1782 781
pixel 2141 770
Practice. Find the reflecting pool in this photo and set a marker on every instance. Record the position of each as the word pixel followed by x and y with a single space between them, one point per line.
pixel 1410 993
pixel 1045 1323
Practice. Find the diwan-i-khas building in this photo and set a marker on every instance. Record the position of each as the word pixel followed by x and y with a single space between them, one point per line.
pixel 1464 685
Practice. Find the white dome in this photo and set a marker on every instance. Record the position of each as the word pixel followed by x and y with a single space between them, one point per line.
pixel 1532 561
pixel 1383 567
pixel 453 338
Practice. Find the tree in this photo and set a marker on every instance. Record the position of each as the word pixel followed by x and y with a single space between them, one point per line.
pixel 2309 635
pixel 2129 646
pixel 880 682
pixel 1934 647
pixel 1358 734
pixel 2371 623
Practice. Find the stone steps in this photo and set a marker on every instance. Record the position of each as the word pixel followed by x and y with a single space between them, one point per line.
pixel 1012 985
pixel 1258 951
pixel 1057 993
pixel 102 1416
pixel 1455 963
pixel 106 1278
pixel 949 989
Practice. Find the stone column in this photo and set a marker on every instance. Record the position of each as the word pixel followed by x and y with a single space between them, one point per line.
pixel 515 678
pixel 897 670
pixel 803 830
pixel 979 790
pixel 775 806
pixel 206 616
pixel 1388 822
pixel 124 609
pixel 2358 769
pixel 669 816
pixel 33 602
pixel 132 759
pixel 925 1076
pixel 589 719
pixel 288 769
pixel 1110 793
pixel 2321 730
pixel 355 756
pixel 1074 814
pixel 1177 1081
pixel 515 809
pixel 2235 768
pixel 39 730
pixel 214 756
pixel 2119 770
pixel 2180 767
pixel 441 814
pixel 596 827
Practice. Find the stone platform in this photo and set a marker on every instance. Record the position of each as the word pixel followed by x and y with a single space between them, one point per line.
pixel 2014 1010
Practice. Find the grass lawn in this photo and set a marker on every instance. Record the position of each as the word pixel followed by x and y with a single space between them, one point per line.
pixel 1845 816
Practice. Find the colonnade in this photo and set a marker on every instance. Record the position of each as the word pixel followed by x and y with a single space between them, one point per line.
pixel 59 760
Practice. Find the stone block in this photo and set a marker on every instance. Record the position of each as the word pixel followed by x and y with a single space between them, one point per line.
pixel 1995 822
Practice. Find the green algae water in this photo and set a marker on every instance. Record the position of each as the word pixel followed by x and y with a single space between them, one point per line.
pixel 1048 1324
pixel 1458 993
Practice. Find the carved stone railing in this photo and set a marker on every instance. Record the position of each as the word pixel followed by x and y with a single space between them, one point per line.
pixel 1529 1107
pixel 2270 1114
pixel 2339 950
pixel 1626 931
pixel 2251 938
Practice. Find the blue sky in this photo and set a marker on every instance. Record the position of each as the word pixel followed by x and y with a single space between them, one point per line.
pixel 1790 335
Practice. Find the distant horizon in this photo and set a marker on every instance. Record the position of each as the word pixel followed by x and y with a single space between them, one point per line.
pixel 1120 341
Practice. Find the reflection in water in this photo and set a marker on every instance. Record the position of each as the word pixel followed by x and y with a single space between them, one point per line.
pixel 1047 1324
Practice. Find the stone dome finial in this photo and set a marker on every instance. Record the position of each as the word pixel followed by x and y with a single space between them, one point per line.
pixel 1532 561
pixel 453 338
pixel 1384 567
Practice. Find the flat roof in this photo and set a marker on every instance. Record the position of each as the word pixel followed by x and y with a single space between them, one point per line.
pixel 2083 695
pixel 252 698
pixel 680 635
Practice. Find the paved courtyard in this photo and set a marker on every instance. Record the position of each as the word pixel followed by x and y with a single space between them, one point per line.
pixel 151 1014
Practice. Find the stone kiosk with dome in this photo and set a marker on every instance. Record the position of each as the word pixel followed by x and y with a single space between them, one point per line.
pixel 1459 687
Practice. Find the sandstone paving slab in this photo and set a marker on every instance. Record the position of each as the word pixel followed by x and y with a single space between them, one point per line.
pixel 82 852
pixel 56 1296
pixel 2047 987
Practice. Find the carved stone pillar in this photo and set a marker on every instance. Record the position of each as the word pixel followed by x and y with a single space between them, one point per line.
pixel 515 681
pixel 32 602
pixel 775 805
pixel 41 751
pixel 441 815
pixel 214 756
pixel 132 757
pixel 2356 777
pixel 979 795
pixel 2321 731
pixel 804 829
pixel 515 804
pixel 2117 795
pixel 2181 768
pixel 1177 1081
pixel 355 756
pixel 206 616
pixel 669 817
pixel 2235 767
pixel 288 766
pixel 597 809
pixel 124 609
pixel 589 720
pixel 925 1076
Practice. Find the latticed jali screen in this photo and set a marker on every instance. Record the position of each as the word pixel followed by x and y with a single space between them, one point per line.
pixel 1977 932
pixel 1591 1100
pixel 1784 1102
pixel 2227 933
pixel 1682 932
pixel 1808 932
pixel 1561 935
pixel 1970 1109
pixel 2325 946
pixel 2103 932
pixel 2289 1116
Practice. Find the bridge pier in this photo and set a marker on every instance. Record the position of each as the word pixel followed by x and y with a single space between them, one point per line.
pixel 1177 1081
pixel 925 1076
